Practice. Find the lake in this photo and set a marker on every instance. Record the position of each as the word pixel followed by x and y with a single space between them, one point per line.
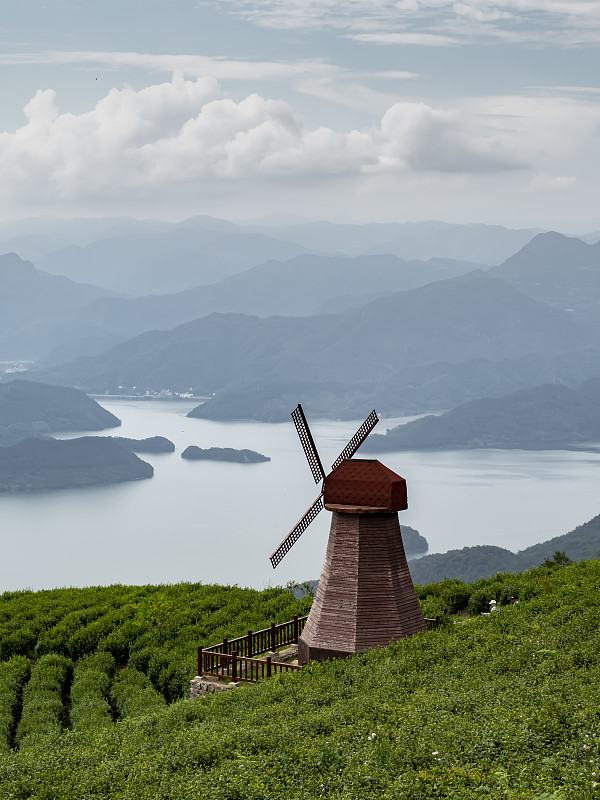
pixel 219 522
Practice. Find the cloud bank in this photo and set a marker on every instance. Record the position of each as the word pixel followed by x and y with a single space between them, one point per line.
pixel 561 23
pixel 183 131
pixel 182 144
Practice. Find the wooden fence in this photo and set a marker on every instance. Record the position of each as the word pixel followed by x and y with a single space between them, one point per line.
pixel 234 659
pixel 240 668
pixel 237 656
pixel 256 642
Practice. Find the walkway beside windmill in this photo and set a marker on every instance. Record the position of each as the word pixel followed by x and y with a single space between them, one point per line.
pixel 221 667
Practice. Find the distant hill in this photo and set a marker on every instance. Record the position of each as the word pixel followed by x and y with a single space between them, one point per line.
pixel 29 298
pixel 471 563
pixel 41 464
pixel 162 262
pixel 283 288
pixel 544 417
pixel 560 270
pixel 45 409
pixel 153 444
pixel 487 244
pixel 407 390
pixel 451 321
pixel 193 453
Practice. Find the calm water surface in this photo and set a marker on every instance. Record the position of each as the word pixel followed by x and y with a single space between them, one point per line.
pixel 218 522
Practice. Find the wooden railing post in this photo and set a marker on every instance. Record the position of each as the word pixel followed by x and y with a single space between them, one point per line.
pixel 234 666
pixel 249 646
pixel 273 637
pixel 268 666
pixel 200 661
pixel 296 629
pixel 225 645
pixel 437 622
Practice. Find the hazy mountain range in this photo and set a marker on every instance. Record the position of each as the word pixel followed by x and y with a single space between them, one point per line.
pixel 40 237
pixel 275 287
pixel 455 321
pixel 408 336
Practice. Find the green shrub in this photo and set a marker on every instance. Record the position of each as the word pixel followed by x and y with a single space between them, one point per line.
pixel 133 694
pixel 455 596
pixel 13 674
pixel 43 713
pixel 90 692
pixel 479 602
pixel 140 659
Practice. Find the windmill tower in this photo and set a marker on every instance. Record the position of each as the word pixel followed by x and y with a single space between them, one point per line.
pixel 365 597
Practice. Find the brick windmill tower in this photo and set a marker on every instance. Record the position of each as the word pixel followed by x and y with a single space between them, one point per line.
pixel 365 596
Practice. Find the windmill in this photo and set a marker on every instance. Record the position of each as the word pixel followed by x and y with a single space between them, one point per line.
pixel 365 597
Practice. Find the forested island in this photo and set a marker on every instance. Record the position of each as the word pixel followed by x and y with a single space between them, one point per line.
pixel 545 417
pixel 414 543
pixel 40 464
pixel 30 409
pixel 153 444
pixel 193 453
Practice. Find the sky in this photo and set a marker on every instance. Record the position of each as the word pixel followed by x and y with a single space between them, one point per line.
pixel 348 110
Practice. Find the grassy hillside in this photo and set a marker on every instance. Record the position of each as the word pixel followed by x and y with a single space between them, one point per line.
pixel 501 706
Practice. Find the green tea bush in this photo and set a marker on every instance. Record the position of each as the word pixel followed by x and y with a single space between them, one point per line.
pixel 121 619
pixel 13 674
pixel 90 692
pixel 133 694
pixel 503 707
pixel 43 714
pixel 479 602
pixel 455 596
pixel 87 639
pixel 140 659
pixel 19 642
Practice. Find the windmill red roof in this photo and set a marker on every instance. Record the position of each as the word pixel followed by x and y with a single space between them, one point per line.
pixel 367 483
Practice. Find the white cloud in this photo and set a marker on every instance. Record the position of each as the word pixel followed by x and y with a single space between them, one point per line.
pixel 543 181
pixel 315 77
pixel 182 132
pixel 181 142
pixel 418 137
pixel 562 23
pixel 219 67
pixel 423 39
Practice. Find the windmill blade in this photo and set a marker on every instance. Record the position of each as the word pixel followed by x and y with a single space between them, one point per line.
pixel 314 462
pixel 297 531
pixel 358 438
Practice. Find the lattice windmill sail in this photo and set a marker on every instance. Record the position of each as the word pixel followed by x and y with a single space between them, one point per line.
pixel 314 462
pixel 365 597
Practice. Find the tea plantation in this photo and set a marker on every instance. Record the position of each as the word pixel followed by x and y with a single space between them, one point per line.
pixel 505 705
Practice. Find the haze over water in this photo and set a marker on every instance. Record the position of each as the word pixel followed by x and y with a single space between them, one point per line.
pixel 219 522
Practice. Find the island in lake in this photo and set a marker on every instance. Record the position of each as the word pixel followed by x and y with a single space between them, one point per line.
pixel 40 464
pixel 30 409
pixel 546 417
pixel 194 453
pixel 153 444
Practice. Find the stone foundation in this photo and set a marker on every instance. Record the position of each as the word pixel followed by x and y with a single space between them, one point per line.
pixel 202 685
